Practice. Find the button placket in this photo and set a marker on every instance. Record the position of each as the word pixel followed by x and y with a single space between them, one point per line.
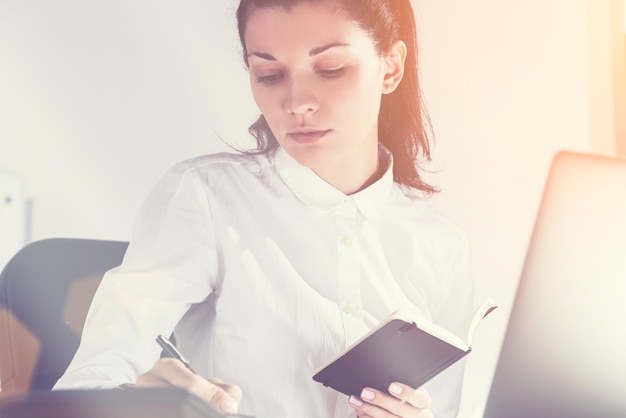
pixel 349 274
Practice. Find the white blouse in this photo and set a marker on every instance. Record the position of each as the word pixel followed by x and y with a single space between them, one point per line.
pixel 264 272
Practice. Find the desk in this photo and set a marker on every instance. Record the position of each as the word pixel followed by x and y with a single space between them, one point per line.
pixel 107 403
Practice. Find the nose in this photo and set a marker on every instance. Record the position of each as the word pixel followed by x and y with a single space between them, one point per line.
pixel 302 98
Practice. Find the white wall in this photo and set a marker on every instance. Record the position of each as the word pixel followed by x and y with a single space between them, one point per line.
pixel 98 99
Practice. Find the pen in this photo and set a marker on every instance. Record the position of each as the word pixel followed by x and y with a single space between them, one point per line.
pixel 170 351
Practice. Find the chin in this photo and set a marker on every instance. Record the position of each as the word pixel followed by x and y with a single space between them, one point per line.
pixel 310 156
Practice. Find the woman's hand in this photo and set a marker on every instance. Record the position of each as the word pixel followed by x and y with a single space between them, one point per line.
pixel 401 401
pixel 171 372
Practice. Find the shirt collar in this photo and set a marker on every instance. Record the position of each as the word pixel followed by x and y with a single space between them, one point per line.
pixel 315 192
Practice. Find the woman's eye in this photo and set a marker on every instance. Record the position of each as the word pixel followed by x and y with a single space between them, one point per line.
pixel 269 78
pixel 331 72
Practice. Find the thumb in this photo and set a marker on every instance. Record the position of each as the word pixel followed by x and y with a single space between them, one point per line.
pixel 226 396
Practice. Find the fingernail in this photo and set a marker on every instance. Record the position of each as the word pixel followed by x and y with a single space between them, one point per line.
pixel 367 394
pixel 395 389
pixel 355 401
pixel 229 406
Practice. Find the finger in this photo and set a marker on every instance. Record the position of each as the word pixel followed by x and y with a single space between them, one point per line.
pixel 380 404
pixel 171 372
pixel 356 403
pixel 373 403
pixel 363 416
pixel 419 397
pixel 224 396
pixel 233 391
pixel 166 372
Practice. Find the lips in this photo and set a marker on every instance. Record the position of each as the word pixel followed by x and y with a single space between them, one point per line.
pixel 307 136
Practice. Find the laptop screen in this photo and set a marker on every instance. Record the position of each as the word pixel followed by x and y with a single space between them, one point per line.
pixel 564 351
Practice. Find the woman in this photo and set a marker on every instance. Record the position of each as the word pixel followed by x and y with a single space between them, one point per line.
pixel 265 265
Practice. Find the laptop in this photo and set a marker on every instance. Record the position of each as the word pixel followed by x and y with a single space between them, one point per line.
pixel 564 350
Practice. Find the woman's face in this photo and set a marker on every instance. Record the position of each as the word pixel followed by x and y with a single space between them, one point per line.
pixel 317 78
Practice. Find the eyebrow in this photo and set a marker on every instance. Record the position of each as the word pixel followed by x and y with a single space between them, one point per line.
pixel 312 53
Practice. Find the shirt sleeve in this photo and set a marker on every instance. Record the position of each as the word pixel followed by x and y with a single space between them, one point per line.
pixel 170 264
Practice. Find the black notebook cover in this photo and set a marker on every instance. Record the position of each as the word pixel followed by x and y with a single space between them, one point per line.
pixel 396 352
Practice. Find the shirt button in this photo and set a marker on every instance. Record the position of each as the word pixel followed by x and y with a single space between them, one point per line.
pixel 346 241
pixel 350 307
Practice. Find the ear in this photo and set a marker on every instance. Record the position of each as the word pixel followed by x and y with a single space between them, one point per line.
pixel 394 64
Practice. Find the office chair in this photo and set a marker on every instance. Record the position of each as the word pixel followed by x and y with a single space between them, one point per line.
pixel 45 292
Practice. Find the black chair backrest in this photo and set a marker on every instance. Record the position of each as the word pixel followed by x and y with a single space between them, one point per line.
pixel 45 292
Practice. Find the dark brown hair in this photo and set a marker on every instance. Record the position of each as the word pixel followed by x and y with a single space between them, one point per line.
pixel 403 123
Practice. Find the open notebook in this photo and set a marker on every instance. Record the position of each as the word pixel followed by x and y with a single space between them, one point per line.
pixel 564 352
